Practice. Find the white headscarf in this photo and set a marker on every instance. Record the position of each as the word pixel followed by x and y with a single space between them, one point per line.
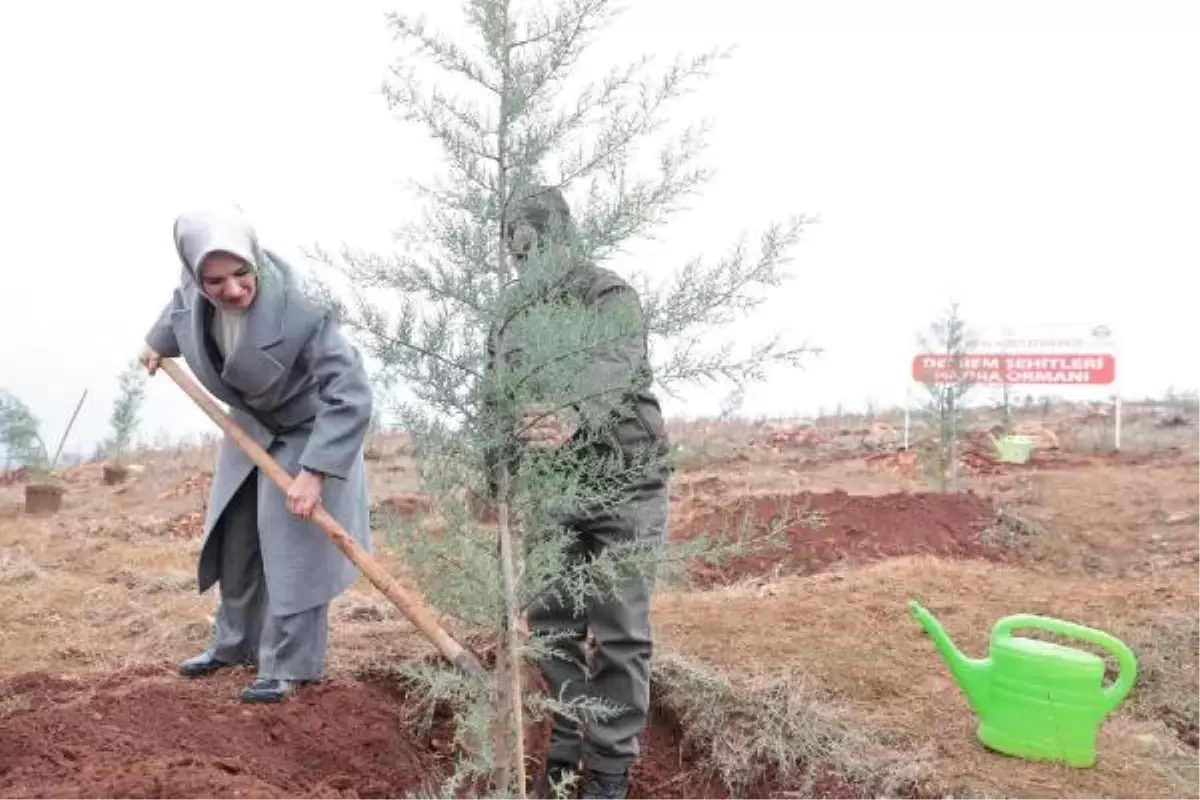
pixel 199 233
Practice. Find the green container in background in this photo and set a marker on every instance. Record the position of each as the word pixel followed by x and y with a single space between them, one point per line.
pixel 1014 449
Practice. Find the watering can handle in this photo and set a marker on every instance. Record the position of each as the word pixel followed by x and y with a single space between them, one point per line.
pixel 1114 694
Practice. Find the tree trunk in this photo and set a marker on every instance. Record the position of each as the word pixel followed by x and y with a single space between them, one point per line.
pixel 510 739
pixel 953 448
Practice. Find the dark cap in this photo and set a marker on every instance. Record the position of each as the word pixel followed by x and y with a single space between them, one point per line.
pixel 544 208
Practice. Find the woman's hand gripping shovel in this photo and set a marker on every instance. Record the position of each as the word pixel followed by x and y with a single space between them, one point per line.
pixel 409 606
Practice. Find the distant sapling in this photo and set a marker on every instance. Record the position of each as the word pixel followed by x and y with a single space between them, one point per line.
pixel 124 420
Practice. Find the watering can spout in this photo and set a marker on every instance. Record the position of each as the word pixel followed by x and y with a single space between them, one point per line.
pixel 971 674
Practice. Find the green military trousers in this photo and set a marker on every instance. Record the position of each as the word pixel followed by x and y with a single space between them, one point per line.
pixel 623 641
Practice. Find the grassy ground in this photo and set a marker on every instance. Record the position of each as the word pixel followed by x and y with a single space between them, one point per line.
pixel 814 678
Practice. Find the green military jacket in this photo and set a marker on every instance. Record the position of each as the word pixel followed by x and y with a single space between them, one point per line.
pixel 628 422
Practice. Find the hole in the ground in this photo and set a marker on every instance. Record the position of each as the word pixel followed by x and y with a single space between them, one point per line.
pixel 162 736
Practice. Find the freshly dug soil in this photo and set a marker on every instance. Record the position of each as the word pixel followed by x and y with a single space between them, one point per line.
pixel 114 474
pixel 171 737
pixel 139 735
pixel 848 527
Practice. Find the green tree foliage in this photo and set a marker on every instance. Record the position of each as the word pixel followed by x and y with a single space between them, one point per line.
pixel 500 108
pixel 950 338
pixel 124 420
pixel 20 435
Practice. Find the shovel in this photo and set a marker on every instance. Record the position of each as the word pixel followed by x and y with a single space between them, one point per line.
pixel 409 606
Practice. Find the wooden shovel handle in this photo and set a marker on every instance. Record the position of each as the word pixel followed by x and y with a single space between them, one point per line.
pixel 409 606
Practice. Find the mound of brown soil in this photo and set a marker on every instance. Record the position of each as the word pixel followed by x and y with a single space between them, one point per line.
pixel 168 737
pixel 820 529
pixel 160 736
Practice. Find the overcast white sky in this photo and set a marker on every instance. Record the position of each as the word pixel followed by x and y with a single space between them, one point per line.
pixel 1037 160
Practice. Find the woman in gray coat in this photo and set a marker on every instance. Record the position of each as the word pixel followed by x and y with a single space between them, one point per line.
pixel 299 388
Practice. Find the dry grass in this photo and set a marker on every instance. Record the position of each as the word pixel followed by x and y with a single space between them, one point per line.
pixel 706 443
pixel 787 677
pixel 18 569
pixel 850 637
pixel 1107 517
pixel 754 731
pixel 123 585
pixel 1168 644
pixel 1140 434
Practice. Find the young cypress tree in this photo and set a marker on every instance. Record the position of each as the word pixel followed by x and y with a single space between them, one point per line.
pixel 480 343
pixel 125 416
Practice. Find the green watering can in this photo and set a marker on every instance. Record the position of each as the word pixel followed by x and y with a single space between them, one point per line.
pixel 1037 700
pixel 1013 449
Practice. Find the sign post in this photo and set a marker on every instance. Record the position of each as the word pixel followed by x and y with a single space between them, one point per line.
pixel 1046 355
pixel 907 414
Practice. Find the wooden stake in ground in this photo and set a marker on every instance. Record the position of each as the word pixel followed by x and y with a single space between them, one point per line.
pixel 67 432
pixel 510 744
pixel 510 752
pixel 409 606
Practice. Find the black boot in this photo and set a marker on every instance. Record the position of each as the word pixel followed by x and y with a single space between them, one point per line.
pixel 201 665
pixel 561 774
pixel 606 784
pixel 269 690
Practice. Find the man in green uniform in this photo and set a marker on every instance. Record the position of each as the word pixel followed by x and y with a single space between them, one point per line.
pixel 626 423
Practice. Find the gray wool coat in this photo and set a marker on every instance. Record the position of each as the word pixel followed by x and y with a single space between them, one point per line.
pixel 299 388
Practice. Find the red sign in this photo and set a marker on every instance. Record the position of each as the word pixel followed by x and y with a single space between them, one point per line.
pixel 1016 369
